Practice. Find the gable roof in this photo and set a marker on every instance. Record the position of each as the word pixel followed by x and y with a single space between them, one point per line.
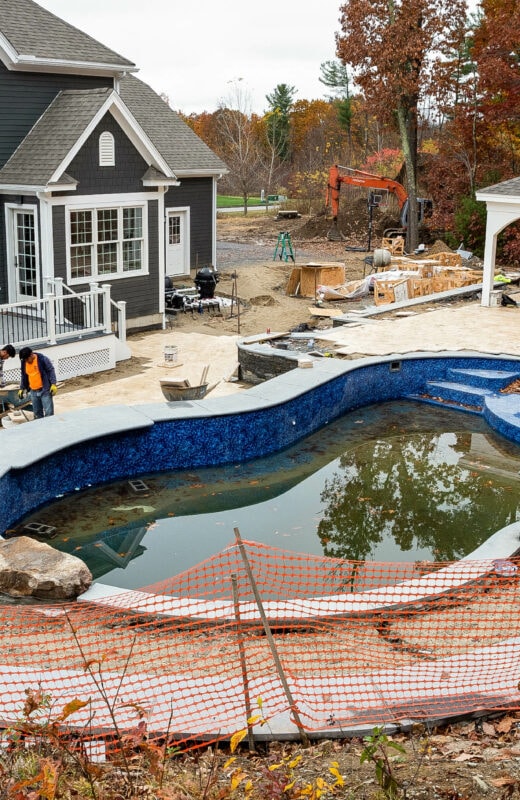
pixel 32 38
pixel 510 188
pixel 179 145
pixel 43 156
pixel 54 135
pixel 168 145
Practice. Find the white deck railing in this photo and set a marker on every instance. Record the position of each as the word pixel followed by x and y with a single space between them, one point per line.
pixel 62 315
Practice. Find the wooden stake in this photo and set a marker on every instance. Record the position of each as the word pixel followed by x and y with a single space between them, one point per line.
pixel 243 666
pixel 278 664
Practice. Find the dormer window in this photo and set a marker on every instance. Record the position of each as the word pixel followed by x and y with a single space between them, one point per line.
pixel 106 150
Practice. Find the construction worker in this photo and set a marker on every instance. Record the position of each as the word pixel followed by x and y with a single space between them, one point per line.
pixel 39 379
pixel 6 352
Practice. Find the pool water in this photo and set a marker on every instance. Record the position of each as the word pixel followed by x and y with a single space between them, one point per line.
pixel 393 482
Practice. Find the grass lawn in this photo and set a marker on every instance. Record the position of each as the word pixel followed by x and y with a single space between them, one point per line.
pixel 228 201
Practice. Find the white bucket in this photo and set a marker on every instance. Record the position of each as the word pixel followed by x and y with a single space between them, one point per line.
pixel 170 353
pixel 495 298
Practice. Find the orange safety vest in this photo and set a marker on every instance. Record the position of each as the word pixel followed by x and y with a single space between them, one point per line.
pixel 33 375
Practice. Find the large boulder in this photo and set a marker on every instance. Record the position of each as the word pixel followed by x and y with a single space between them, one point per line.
pixel 33 569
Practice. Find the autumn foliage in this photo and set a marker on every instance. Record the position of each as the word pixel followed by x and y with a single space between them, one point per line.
pixel 433 100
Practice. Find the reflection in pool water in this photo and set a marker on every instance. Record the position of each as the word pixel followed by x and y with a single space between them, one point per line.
pixel 393 482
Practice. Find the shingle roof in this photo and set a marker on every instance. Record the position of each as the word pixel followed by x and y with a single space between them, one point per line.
pixel 178 144
pixel 33 31
pixel 53 137
pixel 510 188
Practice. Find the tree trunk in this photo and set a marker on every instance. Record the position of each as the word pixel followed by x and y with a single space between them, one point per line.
pixel 412 233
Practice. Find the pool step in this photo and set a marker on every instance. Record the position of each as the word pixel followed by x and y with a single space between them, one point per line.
pixel 468 388
pixel 494 379
pixel 457 393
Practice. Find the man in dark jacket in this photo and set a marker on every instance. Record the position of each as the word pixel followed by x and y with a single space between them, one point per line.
pixel 39 379
pixel 7 351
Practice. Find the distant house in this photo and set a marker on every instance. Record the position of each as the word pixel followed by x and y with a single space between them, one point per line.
pixel 101 183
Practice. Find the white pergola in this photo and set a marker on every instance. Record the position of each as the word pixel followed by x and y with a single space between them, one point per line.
pixel 503 207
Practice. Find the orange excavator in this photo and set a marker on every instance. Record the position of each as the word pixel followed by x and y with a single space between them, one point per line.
pixel 355 177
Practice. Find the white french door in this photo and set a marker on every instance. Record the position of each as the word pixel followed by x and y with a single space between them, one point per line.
pixel 23 255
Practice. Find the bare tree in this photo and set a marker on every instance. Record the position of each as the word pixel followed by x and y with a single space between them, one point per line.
pixel 239 142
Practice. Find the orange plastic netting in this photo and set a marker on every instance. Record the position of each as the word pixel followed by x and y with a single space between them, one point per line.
pixel 358 643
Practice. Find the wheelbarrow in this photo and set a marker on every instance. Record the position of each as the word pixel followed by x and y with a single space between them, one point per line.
pixel 174 391
pixel 10 401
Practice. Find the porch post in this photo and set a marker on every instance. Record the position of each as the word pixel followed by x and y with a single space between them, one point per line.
pixel 107 314
pixel 91 307
pixel 121 320
pixel 50 310
pixel 56 288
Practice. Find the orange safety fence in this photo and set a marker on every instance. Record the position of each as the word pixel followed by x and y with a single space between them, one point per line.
pixel 347 644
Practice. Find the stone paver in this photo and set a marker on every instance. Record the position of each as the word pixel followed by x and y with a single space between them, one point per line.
pixel 468 327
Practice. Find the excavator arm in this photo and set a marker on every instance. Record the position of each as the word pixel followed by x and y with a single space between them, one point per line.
pixel 355 177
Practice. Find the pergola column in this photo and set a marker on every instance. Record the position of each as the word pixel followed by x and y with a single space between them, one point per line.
pixel 501 212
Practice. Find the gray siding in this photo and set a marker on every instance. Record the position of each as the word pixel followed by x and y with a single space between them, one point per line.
pixel 197 193
pixel 124 177
pixel 24 96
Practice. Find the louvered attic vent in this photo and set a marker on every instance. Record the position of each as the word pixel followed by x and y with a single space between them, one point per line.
pixel 106 150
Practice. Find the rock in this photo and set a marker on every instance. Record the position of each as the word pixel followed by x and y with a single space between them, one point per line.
pixel 33 569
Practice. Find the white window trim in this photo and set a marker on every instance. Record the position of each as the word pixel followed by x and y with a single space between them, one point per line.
pixel 107 149
pixel 98 203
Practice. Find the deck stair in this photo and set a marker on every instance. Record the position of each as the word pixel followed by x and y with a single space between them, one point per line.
pixel 466 389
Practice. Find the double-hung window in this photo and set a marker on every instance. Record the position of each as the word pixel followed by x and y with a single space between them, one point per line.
pixel 107 242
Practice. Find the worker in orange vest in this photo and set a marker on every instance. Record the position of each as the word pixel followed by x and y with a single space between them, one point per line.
pixel 39 380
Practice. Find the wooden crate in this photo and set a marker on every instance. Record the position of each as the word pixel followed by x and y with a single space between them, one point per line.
pixel 314 275
pixel 415 287
pixel 386 291
pixel 394 244
pixel 293 284
pixel 442 283
pixel 449 259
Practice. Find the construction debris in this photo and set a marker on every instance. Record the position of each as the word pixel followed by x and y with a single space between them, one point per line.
pixel 403 279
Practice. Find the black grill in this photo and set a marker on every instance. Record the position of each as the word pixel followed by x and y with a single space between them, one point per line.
pixel 206 280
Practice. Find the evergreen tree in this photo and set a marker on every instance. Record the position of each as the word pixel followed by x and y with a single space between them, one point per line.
pixel 278 119
pixel 335 75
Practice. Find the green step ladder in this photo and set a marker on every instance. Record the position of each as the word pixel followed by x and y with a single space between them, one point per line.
pixel 284 245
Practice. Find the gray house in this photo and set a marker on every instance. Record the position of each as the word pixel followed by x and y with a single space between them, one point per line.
pixel 104 190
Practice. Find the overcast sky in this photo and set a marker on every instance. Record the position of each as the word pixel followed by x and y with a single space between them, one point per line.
pixel 195 50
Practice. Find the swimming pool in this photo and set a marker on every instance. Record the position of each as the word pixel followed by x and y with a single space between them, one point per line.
pixel 398 481
pixel 72 452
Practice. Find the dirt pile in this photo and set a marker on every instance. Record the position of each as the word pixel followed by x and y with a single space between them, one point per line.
pixel 353 224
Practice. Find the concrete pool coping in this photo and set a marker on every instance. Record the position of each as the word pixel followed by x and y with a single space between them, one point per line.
pixel 25 445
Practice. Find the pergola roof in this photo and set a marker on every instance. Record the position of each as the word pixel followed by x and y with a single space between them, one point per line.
pixel 510 188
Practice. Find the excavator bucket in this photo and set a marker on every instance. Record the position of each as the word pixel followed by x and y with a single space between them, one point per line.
pixel 334 234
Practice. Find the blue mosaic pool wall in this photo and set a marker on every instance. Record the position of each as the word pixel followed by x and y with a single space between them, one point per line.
pixel 201 440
